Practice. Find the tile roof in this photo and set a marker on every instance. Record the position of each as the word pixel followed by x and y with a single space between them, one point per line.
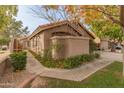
pixel 47 26
pixel 51 25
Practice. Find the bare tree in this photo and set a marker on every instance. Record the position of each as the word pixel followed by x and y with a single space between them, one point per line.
pixel 50 13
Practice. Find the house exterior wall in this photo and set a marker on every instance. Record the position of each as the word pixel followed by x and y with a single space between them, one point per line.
pixel 63 28
pixel 104 44
pixel 36 43
pixel 24 42
pixel 73 45
pixel 69 46
pixel 78 46
pixel 15 45
pixel 48 33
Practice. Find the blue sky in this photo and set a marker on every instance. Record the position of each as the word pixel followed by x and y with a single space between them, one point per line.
pixel 27 17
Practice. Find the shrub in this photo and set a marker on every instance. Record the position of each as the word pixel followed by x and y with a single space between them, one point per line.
pixel 68 63
pixel 47 54
pixel 18 60
pixel 72 62
pixel 48 63
pixel 77 60
pixel 86 57
pixel 93 46
pixel 90 57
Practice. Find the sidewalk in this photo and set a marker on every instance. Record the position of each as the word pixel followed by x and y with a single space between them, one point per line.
pixel 4 56
pixel 76 74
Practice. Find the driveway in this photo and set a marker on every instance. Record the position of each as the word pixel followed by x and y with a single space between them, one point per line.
pixel 111 56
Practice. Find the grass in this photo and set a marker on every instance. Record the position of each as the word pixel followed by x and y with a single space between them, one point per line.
pixel 109 77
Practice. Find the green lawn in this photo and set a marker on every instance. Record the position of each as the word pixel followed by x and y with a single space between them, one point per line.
pixel 108 77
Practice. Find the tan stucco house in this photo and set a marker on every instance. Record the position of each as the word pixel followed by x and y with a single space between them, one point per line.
pixel 71 36
pixel 104 44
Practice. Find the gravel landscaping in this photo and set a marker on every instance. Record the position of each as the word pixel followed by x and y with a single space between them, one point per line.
pixel 12 79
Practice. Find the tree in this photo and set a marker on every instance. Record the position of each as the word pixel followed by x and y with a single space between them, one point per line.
pixel 6 15
pixel 15 29
pixel 122 21
pixel 4 41
pixel 87 13
pixel 9 26
pixel 51 13
pixel 107 29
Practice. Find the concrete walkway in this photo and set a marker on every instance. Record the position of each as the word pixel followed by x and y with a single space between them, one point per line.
pixel 76 74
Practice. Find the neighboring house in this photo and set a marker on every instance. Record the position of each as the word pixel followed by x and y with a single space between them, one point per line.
pixel 72 38
pixel 15 45
pixel 24 42
pixel 104 44
pixel 18 43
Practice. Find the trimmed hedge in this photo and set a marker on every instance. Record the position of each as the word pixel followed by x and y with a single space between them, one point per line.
pixel 77 60
pixel 19 60
pixel 68 63
pixel 71 62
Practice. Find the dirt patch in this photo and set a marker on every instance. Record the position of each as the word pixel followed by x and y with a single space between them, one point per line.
pixel 1 52
pixel 12 79
pixel 39 82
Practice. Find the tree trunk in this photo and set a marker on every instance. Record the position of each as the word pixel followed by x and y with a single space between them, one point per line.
pixel 122 21
pixel 123 59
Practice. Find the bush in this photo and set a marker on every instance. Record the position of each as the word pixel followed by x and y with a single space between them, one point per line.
pixel 68 63
pixel 77 60
pixel 93 46
pixel 48 63
pixel 86 57
pixel 72 62
pixel 18 60
pixel 47 54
